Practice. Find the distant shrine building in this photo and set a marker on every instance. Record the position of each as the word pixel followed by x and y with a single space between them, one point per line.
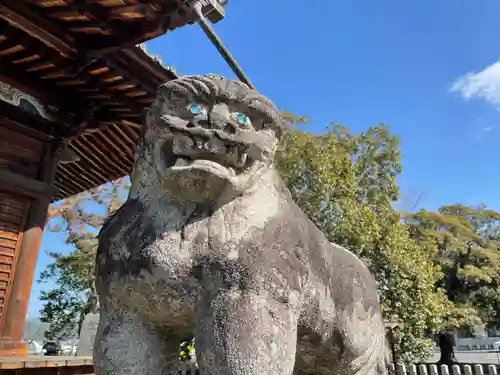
pixel 75 85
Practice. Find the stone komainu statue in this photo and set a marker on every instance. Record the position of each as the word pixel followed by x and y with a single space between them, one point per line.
pixel 211 242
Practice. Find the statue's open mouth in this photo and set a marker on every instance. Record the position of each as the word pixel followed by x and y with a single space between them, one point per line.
pixel 187 151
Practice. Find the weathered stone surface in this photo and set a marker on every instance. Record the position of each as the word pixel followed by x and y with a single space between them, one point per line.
pixel 211 242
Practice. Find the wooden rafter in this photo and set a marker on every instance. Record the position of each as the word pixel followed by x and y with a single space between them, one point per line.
pixel 33 126
pixel 32 85
pixel 16 13
pixel 138 59
pixel 146 32
pixel 81 19
pixel 53 36
pixel 109 87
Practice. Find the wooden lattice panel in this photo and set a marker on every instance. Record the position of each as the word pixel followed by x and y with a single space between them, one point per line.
pixel 13 212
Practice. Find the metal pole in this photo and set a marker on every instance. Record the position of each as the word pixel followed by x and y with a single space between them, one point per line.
pixel 210 33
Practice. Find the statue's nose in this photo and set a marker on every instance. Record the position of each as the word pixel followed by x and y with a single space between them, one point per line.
pixel 219 119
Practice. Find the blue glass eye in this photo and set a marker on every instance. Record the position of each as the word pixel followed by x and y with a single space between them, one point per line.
pixel 241 118
pixel 195 109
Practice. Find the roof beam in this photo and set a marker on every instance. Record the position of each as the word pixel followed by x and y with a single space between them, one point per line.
pixel 31 85
pixel 148 64
pixel 103 47
pixel 16 13
pixel 18 183
pixel 34 126
pixel 144 76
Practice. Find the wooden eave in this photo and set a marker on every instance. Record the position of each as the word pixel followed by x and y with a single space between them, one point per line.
pixel 92 28
pixel 103 156
pixel 105 151
pixel 99 106
pixel 23 122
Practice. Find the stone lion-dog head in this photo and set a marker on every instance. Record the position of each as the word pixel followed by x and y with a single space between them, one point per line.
pixel 206 138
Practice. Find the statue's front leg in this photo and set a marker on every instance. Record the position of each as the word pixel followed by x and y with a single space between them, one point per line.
pixel 126 345
pixel 242 333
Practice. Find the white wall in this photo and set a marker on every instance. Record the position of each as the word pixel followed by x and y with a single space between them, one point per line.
pixel 480 341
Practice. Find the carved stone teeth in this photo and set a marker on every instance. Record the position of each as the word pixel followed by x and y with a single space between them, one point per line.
pixel 234 155
pixel 243 158
pixel 198 142
pixel 186 141
pixel 182 162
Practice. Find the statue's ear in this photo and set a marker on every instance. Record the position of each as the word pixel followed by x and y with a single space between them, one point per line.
pixel 139 154
pixel 169 100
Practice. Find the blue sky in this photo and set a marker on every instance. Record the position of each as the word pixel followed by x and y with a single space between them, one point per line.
pixel 426 69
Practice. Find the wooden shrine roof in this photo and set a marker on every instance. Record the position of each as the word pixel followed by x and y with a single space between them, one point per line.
pixel 100 105
pixel 97 27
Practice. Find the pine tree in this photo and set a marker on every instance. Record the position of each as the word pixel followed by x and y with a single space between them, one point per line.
pixel 465 242
pixel 72 276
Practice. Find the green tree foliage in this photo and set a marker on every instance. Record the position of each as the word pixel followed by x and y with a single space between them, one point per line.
pixel 346 183
pixel 465 242
pixel 71 277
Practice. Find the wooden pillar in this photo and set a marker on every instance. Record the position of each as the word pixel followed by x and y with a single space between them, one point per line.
pixel 14 316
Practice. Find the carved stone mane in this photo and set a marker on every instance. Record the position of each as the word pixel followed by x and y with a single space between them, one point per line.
pixel 210 242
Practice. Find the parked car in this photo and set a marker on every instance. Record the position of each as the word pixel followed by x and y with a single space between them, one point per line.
pixel 35 348
pixel 52 348
pixel 496 345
